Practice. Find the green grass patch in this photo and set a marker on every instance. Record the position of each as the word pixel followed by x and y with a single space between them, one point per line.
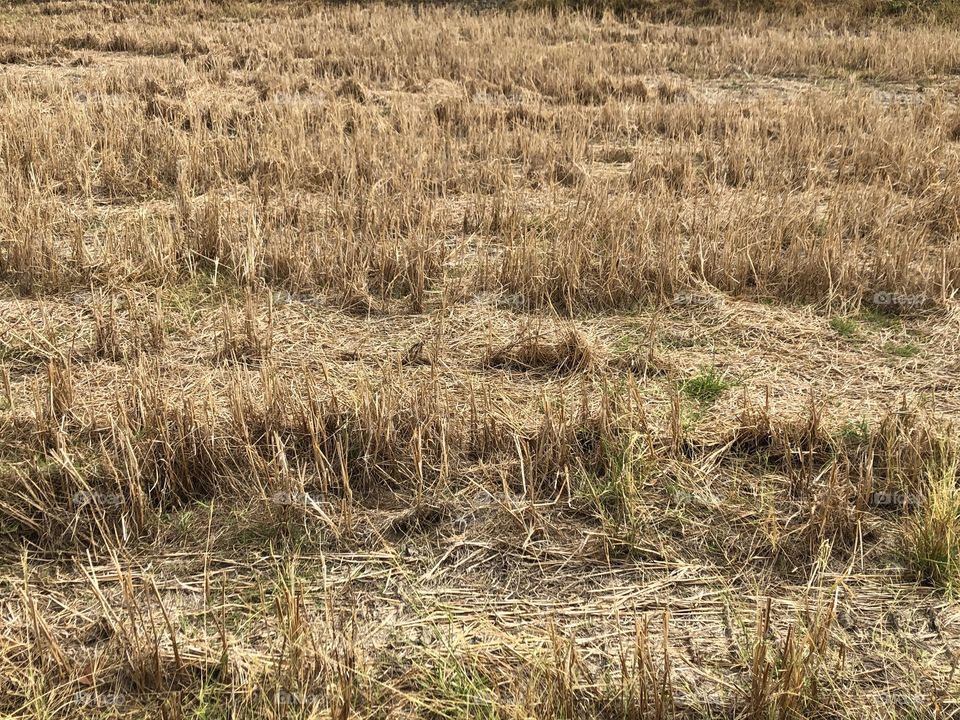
pixel 452 686
pixel 706 387
pixel 878 319
pixel 845 327
pixel 626 343
pixel 854 433
pixel 906 350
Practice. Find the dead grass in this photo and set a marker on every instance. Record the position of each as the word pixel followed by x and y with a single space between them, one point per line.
pixel 564 351
pixel 367 360
pixel 932 538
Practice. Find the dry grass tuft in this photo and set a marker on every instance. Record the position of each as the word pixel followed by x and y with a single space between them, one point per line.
pixel 351 89
pixel 953 128
pixel 932 536
pixel 565 350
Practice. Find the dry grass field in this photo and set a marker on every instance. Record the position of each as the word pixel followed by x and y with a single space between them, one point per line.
pixel 450 362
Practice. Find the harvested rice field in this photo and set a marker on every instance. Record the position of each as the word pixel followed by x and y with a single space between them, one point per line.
pixel 500 362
